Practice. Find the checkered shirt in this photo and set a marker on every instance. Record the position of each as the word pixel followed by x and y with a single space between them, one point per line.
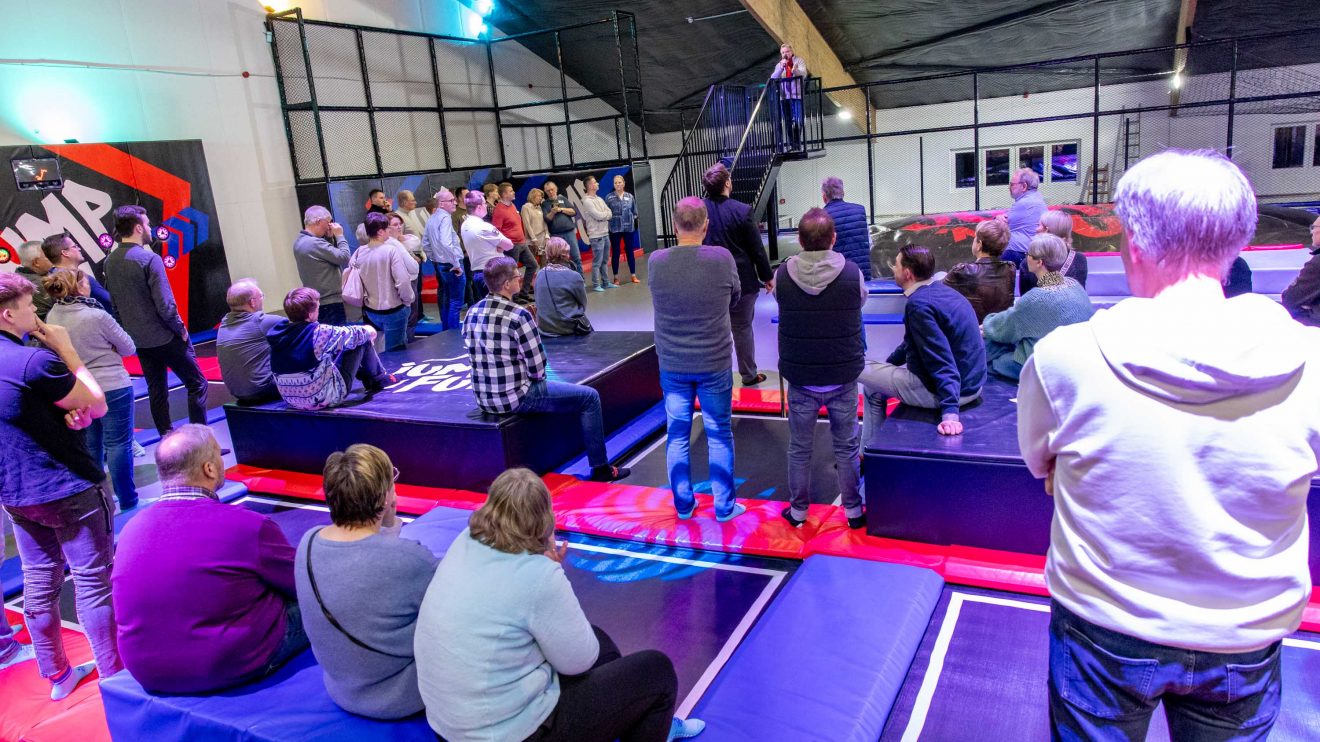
pixel 506 351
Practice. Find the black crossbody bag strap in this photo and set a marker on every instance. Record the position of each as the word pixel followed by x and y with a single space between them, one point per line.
pixel 326 611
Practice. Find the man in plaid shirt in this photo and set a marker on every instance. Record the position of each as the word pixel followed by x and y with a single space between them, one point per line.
pixel 508 366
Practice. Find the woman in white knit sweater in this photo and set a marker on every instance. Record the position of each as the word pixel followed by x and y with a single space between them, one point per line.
pixel 504 651
pixel 102 344
pixel 1056 301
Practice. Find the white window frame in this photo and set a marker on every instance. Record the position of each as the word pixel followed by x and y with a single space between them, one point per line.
pixel 1309 131
pixel 1014 155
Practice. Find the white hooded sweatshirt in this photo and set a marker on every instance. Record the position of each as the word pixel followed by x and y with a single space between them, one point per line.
pixel 1186 432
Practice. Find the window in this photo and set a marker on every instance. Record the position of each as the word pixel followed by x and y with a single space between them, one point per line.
pixel 1315 151
pixel 1053 162
pixel 1033 158
pixel 964 169
pixel 1063 163
pixel 1289 146
pixel 996 167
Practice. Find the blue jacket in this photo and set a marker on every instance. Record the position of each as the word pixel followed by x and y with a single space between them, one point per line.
pixel 942 344
pixel 852 235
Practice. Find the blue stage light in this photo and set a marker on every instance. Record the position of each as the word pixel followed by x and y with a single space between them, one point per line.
pixel 484 7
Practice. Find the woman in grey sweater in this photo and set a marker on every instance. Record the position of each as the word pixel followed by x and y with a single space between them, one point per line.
pixel 102 344
pixel 504 651
pixel 360 586
pixel 561 294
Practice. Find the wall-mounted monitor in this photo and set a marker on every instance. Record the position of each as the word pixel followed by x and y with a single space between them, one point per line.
pixel 37 173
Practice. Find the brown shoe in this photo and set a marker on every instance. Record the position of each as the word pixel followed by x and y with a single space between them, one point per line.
pixel 634 280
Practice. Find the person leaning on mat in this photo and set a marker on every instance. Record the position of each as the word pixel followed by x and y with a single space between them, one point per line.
pixel 509 366
pixel 1177 432
pixel 504 651
pixel 361 627
pixel 203 590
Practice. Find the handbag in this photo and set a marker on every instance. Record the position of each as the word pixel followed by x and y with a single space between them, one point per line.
pixel 582 325
pixel 353 289
pixel 330 616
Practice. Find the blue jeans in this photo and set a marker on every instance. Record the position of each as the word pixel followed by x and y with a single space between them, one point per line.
pixel 556 396
pixel 111 437
pixel 600 273
pixel 294 643
pixel 393 324
pixel 803 407
pixel 77 530
pixel 1105 685
pixel 715 390
pixel 999 359
pixel 8 645
pixel 449 295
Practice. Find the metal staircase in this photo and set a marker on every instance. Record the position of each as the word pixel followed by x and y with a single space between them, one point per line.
pixel 744 127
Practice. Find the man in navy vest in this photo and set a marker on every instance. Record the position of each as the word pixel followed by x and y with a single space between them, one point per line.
pixel 821 353
pixel 940 364
pixel 853 233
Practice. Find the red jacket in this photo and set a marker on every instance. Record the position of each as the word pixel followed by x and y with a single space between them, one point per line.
pixel 507 219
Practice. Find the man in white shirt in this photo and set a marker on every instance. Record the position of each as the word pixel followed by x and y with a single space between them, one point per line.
pixel 1178 435
pixel 482 240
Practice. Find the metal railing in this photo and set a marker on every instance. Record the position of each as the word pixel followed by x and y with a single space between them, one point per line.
pixel 715 134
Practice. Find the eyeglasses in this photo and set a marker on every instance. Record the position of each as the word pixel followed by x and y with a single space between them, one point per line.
pixel 396 473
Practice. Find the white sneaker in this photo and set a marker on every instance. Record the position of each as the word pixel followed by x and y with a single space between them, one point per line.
pixel 25 652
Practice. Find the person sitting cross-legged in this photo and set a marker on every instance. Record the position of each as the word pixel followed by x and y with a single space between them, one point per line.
pixel 314 363
pixel 1056 301
pixel 361 627
pixel 203 590
pixel 940 364
pixel 505 651
pixel 509 366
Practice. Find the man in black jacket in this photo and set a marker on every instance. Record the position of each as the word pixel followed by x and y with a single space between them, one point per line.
pixel 821 353
pixel 1302 297
pixel 141 291
pixel 941 362
pixel 732 228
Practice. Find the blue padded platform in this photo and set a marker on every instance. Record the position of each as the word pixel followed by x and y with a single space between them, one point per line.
pixel 847 629
pixel 869 319
pixel 883 286
pixel 290 706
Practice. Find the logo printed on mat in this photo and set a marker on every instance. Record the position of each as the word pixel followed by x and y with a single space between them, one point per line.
pixel 439 374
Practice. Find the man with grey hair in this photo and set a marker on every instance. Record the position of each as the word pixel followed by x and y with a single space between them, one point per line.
pixel 204 590
pixel 1177 433
pixel 852 232
pixel 509 365
pixel 1024 215
pixel 321 253
pixel 34 267
pixel 241 345
pixel 62 252
pixel 693 287
pixel 445 251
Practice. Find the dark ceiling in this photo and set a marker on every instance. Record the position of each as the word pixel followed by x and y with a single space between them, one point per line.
pixel 886 40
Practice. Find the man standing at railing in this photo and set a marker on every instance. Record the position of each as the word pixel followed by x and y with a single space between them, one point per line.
pixel 790 95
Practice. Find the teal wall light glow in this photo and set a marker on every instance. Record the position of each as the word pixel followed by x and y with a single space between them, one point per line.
pixel 52 111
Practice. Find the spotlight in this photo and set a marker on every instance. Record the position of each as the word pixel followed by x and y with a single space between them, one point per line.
pixel 1177 79
pixel 484 7
pixel 845 114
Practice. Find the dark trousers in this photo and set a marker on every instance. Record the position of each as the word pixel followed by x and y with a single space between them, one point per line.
pixel 363 364
pixel 790 116
pixel 629 241
pixel 630 699
pixel 415 313
pixel 177 356
pixel 469 283
pixel 332 314
pixel 523 254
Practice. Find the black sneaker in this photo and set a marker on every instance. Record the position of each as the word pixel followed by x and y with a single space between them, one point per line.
pixel 858 522
pixel 609 473
pixel 788 516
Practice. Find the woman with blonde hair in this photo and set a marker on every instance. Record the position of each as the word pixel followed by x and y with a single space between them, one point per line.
pixel 360 626
pixel 535 229
pixel 561 294
pixel 505 652
pixel 1059 224
pixel 102 344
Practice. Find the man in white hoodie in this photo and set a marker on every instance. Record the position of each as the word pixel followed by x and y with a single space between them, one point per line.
pixel 821 354
pixel 1178 435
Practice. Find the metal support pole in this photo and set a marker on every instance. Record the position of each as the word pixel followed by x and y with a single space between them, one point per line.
pixel 870 158
pixel 623 87
pixel 1127 142
pixel 439 101
pixel 637 64
pixel 976 140
pixel 1095 138
pixel 311 92
pixel 772 223
pixel 921 170
pixel 371 111
pixel 1232 99
pixel 495 100
pixel 618 142
pixel 563 89
pixel 284 101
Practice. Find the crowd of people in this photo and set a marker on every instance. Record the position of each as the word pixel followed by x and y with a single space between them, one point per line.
pixel 489 640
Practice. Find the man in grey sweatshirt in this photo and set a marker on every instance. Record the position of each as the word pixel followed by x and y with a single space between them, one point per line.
pixel 692 287
pixel 321 253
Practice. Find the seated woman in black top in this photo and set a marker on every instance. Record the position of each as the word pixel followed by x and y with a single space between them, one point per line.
pixel 1059 224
